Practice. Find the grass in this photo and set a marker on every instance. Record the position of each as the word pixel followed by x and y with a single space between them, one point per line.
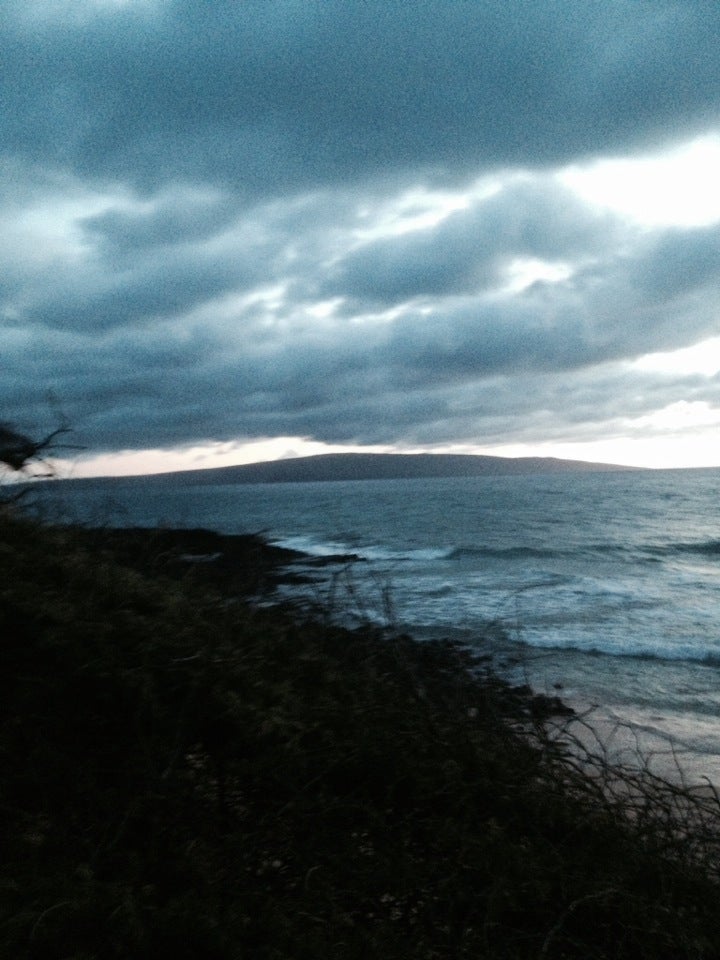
pixel 188 775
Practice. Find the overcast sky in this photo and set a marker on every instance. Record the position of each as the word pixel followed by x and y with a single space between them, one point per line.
pixel 240 230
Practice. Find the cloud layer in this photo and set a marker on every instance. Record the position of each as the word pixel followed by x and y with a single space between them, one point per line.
pixel 346 221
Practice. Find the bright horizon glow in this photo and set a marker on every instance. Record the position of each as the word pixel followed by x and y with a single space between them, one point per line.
pixel 643 445
pixel 645 453
pixel 684 434
pixel 127 463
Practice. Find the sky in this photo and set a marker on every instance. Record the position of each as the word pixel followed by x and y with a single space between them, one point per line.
pixel 238 231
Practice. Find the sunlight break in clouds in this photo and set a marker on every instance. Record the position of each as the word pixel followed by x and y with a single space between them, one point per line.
pixel 676 188
pixel 703 358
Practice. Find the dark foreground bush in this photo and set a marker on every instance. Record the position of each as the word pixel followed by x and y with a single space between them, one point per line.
pixel 184 775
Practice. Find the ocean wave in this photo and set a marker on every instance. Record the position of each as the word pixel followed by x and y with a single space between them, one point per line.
pixel 372 552
pixel 382 553
pixel 500 553
pixel 313 547
pixel 706 548
pixel 684 653
pixel 703 548
pixel 419 554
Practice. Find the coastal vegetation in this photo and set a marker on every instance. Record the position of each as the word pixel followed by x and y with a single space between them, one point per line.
pixel 191 773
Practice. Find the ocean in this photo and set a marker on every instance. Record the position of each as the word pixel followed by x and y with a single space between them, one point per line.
pixel 602 588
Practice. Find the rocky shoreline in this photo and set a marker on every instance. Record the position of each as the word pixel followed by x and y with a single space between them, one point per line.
pixel 244 563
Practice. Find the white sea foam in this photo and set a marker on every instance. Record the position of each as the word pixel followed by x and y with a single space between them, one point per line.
pixel 372 552
pixel 313 547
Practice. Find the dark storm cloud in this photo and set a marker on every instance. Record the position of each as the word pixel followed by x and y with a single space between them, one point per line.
pixel 221 220
pixel 435 370
pixel 170 221
pixel 266 96
pixel 141 296
pixel 680 262
pixel 470 249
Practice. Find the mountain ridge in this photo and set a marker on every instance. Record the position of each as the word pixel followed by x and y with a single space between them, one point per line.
pixel 328 467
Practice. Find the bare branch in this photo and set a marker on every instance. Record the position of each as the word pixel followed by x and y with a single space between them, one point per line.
pixel 18 451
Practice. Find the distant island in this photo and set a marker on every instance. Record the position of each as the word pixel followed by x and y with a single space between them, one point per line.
pixel 381 466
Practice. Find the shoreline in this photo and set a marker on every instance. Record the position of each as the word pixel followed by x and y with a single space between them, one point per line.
pixel 675 742
pixel 188 773
pixel 253 566
pixel 632 742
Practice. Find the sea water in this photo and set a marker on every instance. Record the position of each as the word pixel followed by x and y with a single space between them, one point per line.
pixel 604 587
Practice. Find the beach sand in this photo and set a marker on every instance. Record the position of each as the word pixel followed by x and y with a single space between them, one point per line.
pixel 636 740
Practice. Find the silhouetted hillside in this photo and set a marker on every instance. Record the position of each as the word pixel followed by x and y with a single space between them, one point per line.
pixel 381 466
